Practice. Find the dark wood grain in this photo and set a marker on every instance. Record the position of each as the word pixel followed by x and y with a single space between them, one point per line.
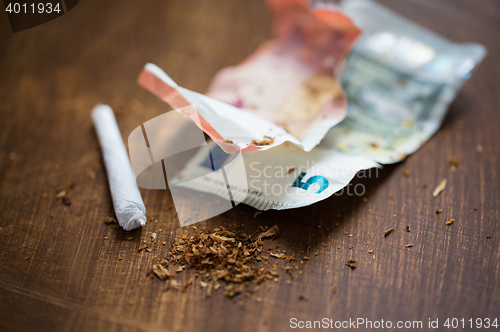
pixel 51 76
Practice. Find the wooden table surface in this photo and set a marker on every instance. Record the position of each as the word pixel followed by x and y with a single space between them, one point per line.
pixel 58 271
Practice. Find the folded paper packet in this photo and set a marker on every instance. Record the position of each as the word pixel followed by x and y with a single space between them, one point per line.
pixel 285 91
pixel 399 79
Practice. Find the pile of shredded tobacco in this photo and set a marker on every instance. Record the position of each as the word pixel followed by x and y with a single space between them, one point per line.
pixel 222 259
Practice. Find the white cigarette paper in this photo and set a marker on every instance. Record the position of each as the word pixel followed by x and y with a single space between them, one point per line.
pixel 127 200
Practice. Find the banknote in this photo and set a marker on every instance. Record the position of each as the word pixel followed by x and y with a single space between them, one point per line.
pixel 291 79
pixel 282 178
pixel 399 80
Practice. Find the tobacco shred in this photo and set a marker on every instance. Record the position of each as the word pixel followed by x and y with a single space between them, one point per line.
pixel 450 222
pixel 168 207
pixel 406 173
pixel 453 162
pixel 257 213
pixel 441 186
pixel 188 283
pixel 351 263
pixel 266 141
pixel 62 193
pixel 110 220
pixel 389 231
pixel 271 232
pixel 161 272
